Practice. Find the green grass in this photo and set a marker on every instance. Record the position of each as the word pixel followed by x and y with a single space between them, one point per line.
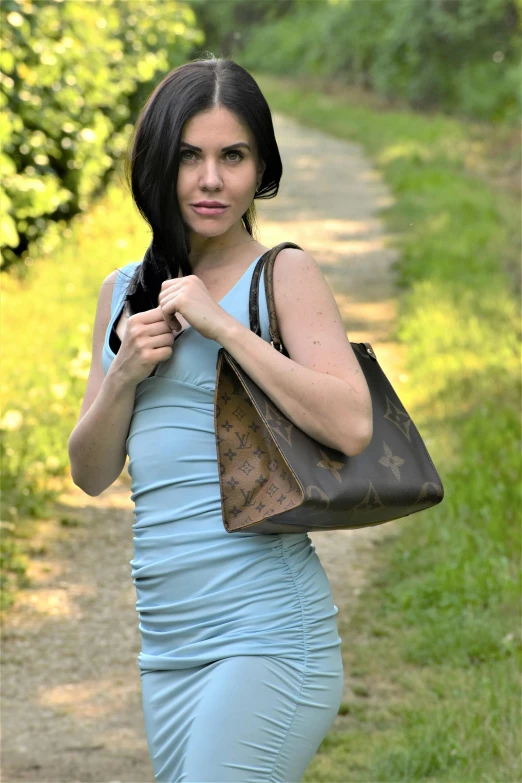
pixel 434 645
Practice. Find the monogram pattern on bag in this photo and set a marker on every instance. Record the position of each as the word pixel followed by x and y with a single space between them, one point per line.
pixel 398 417
pixel 275 477
pixel 278 423
pixel 391 461
pixel 428 489
pixel 371 502
pixel 255 481
pixel 319 497
pixel 332 465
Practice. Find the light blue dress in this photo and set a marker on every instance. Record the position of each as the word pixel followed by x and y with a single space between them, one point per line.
pixel 240 663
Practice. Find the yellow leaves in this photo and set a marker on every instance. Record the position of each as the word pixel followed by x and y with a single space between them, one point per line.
pixel 87 134
pixel 37 139
pixel 80 365
pixel 11 420
pixel 60 389
pixel 15 19
pixel 48 58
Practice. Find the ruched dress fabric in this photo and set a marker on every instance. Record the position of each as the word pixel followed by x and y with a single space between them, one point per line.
pixel 240 661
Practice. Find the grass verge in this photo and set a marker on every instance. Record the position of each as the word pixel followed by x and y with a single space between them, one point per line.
pixel 433 648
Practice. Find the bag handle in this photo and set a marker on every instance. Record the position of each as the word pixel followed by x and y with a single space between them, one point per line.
pixel 267 261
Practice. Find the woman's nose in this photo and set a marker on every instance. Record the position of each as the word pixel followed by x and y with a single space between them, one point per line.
pixel 211 176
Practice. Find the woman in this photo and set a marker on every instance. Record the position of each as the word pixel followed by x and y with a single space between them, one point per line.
pixel 241 668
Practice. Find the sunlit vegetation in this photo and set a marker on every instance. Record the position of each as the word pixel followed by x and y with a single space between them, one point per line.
pixel 435 641
pixel 434 645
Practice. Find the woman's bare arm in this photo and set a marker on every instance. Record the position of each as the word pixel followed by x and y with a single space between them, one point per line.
pixel 96 446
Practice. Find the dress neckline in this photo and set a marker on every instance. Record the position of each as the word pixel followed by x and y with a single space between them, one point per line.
pixel 240 279
pixel 227 293
pixel 117 315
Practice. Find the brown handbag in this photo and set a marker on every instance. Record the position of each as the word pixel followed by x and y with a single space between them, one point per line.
pixel 274 478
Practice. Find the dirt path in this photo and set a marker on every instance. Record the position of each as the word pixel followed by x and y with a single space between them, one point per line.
pixel 70 684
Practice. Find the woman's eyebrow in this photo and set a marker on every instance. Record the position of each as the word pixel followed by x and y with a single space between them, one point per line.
pixel 224 149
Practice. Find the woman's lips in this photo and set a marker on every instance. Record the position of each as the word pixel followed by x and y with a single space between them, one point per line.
pixel 208 210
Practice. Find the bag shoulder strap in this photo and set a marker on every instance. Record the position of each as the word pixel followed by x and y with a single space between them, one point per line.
pixel 267 261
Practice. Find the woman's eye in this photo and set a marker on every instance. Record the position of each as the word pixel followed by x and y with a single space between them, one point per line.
pixel 230 152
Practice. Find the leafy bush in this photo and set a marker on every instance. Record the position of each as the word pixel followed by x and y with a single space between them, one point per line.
pixel 459 57
pixel 71 77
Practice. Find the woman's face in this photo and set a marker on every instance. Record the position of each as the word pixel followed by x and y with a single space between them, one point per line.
pixel 214 174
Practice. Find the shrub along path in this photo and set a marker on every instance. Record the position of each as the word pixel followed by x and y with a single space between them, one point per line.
pixel 71 685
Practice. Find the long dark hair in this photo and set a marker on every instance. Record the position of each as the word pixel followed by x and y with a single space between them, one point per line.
pixel 152 162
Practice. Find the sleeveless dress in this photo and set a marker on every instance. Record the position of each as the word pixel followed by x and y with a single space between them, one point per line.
pixel 240 662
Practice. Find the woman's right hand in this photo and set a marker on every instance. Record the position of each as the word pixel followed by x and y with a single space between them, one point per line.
pixel 147 340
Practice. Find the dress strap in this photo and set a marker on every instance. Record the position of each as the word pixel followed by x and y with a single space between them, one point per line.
pixel 123 278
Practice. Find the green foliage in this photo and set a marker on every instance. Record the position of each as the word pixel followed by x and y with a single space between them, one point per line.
pixel 46 323
pixel 459 57
pixel 433 649
pixel 225 24
pixel 70 74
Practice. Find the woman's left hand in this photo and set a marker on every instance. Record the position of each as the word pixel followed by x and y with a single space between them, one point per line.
pixel 189 296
